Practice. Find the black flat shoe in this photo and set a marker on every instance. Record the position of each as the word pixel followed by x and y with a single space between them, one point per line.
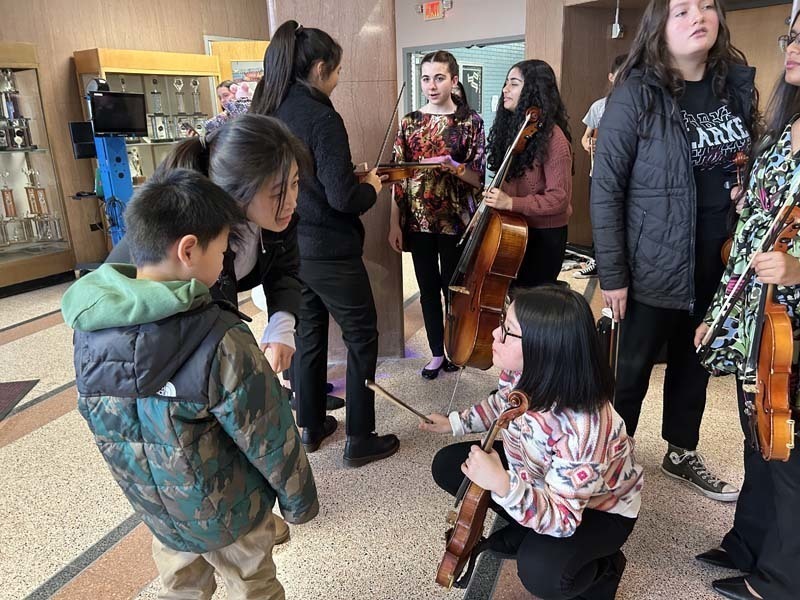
pixel 450 367
pixel 734 588
pixel 312 438
pixel 446 365
pixel 362 449
pixel 716 557
pixel 331 402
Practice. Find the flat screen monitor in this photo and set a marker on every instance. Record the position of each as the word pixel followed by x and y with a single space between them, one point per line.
pixel 118 113
pixel 82 136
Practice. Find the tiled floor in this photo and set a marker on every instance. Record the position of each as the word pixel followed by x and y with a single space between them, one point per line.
pixel 379 534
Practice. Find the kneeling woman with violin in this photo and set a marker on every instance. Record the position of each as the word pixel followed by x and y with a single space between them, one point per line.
pixel 564 474
pixel 763 272
pixel 539 180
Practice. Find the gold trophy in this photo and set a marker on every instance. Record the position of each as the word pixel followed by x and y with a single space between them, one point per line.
pixel 9 208
pixel 37 196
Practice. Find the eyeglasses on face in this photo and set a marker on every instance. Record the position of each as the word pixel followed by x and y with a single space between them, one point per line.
pixel 784 41
pixel 504 332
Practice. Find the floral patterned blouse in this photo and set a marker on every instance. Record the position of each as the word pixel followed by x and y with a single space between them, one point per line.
pixel 433 201
pixel 773 172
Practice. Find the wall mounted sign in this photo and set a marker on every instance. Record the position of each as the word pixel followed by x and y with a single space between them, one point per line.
pixel 433 10
pixel 472 79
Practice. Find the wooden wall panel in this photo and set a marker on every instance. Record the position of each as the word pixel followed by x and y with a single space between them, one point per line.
pixel 760 43
pixel 365 98
pixel 588 53
pixel 59 28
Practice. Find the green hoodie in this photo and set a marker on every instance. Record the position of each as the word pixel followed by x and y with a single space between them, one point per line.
pixel 111 296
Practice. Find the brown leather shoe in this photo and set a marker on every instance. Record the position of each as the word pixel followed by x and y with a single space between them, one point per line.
pixel 281 529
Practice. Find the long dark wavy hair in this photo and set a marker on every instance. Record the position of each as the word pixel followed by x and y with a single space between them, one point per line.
pixel 291 54
pixel 563 364
pixel 649 53
pixel 444 57
pixel 539 89
pixel 783 104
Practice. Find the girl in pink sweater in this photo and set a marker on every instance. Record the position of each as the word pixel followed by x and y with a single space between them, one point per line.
pixel 564 475
pixel 539 181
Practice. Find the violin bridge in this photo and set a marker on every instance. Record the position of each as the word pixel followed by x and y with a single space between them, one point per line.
pixel 459 289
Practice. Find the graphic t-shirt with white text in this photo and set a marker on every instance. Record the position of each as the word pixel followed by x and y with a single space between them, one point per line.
pixel 715 134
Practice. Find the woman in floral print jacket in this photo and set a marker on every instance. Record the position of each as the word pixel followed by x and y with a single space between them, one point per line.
pixel 564 474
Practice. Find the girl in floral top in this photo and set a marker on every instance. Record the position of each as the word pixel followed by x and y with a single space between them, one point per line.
pixel 564 474
pixel 764 541
pixel 432 208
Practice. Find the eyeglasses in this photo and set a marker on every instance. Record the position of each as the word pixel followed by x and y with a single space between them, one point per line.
pixel 504 332
pixel 784 41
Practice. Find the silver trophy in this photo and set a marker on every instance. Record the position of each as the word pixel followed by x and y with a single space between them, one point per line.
pixel 37 196
pixel 159 125
pixel 9 96
pixel 122 83
pixel 178 83
pixel 196 96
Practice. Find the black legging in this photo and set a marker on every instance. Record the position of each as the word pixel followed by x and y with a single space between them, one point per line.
pixel 544 256
pixel 435 257
pixel 587 565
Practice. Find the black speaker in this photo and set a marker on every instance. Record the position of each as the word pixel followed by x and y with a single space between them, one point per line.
pixel 82 136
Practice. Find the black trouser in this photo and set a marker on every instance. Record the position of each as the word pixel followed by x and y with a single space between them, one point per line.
pixel 765 538
pixel 579 566
pixel 341 288
pixel 643 333
pixel 428 250
pixel 544 256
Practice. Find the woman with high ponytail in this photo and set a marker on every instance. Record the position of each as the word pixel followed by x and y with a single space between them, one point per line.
pixel 301 70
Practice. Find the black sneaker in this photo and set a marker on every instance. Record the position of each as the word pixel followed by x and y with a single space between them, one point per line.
pixel 312 438
pixel 690 467
pixel 362 449
pixel 590 270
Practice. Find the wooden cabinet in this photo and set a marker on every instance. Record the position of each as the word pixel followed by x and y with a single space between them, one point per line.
pixel 34 238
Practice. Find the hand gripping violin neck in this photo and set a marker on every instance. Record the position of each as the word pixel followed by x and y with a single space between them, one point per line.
pixel 467 526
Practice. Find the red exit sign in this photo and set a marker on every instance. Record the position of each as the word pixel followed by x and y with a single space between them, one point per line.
pixel 433 10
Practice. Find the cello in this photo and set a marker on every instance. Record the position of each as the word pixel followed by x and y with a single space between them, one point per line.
pixel 472 502
pixel 489 263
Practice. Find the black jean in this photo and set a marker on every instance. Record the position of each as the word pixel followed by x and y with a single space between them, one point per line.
pixel 765 538
pixel 551 568
pixel 643 333
pixel 435 257
pixel 544 256
pixel 339 288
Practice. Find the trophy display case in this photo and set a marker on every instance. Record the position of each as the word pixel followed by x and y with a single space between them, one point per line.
pixel 34 240
pixel 180 92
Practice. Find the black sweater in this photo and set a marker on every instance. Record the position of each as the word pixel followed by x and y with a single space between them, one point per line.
pixel 331 198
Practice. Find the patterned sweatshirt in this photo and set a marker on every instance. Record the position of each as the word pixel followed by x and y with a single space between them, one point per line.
pixel 560 463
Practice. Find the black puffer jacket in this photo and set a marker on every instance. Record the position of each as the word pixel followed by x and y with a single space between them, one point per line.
pixel 331 200
pixel 643 200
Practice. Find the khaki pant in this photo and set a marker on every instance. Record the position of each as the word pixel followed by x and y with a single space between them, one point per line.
pixel 245 566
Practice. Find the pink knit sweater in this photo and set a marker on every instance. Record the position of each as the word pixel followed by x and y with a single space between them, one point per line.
pixel 543 193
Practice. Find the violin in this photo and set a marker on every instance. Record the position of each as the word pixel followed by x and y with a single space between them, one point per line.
pixel 740 160
pixel 467 526
pixel 769 365
pixel 495 246
pixel 395 172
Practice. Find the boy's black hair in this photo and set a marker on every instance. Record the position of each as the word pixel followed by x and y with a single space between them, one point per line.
pixel 174 204
pixel 563 364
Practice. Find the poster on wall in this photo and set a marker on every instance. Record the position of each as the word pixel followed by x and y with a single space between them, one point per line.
pixel 247 70
pixel 472 78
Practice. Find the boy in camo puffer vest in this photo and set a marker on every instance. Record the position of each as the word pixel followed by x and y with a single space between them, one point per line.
pixel 182 403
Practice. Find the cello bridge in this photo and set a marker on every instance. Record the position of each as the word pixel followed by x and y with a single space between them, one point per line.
pixel 451 518
pixel 459 289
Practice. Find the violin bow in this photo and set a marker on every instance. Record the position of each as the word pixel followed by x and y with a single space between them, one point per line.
pixel 389 128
